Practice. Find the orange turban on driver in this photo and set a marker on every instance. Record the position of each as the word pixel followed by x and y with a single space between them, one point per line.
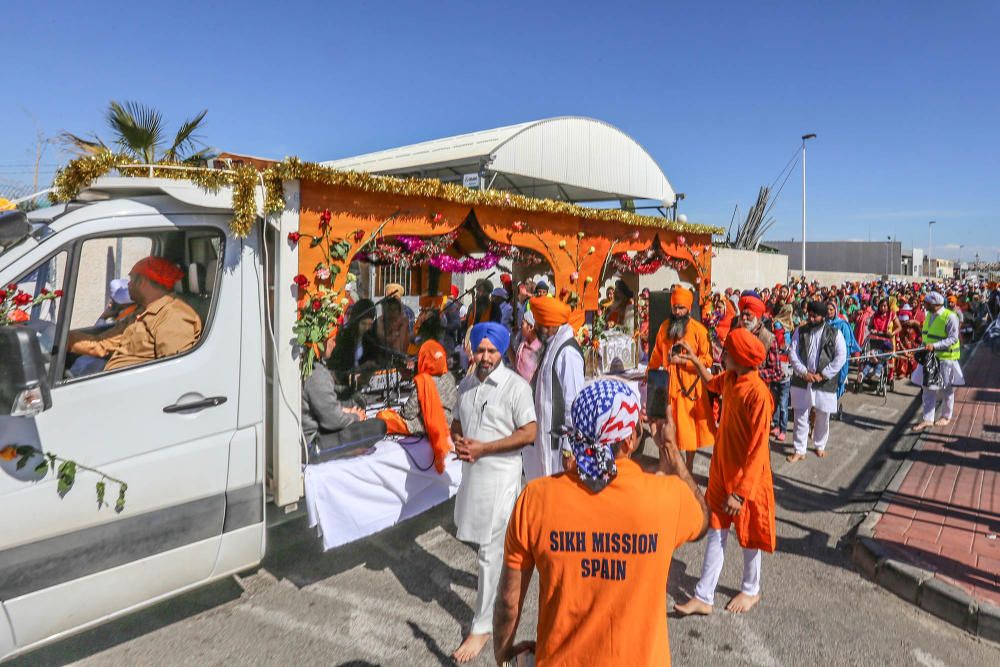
pixel 161 271
pixel 549 312
pixel 681 296
pixel 752 304
pixel 745 348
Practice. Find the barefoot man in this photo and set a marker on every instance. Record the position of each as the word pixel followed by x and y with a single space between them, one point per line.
pixel 688 401
pixel 740 490
pixel 494 419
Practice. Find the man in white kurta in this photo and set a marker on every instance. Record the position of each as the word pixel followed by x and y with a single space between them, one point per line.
pixel 818 352
pixel 558 380
pixel 942 341
pixel 494 419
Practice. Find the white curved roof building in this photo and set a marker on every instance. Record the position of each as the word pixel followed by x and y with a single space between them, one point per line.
pixel 570 158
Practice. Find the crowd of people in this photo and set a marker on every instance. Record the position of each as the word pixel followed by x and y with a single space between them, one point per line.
pixel 500 386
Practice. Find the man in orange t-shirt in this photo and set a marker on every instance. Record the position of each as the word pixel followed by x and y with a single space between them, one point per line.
pixel 740 488
pixel 601 535
pixel 688 400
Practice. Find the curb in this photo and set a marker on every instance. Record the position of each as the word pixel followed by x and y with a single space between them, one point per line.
pixel 917 585
pixel 920 587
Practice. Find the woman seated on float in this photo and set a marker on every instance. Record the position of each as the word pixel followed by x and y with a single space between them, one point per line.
pixel 428 411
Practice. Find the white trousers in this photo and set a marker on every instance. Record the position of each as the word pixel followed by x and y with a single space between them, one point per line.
pixel 932 396
pixel 715 556
pixel 821 430
pixel 489 563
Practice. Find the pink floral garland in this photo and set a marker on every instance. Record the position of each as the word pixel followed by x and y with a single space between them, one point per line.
pixel 450 264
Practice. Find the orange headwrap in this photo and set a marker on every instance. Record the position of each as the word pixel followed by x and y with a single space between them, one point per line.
pixel 549 312
pixel 577 319
pixel 431 361
pixel 681 296
pixel 752 304
pixel 161 271
pixel 745 348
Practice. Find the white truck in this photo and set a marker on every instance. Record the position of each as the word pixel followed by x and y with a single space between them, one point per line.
pixel 208 441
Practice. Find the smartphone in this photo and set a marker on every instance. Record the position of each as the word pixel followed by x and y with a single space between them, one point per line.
pixel 677 350
pixel 656 393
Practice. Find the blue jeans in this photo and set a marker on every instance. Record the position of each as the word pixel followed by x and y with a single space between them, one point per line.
pixel 779 390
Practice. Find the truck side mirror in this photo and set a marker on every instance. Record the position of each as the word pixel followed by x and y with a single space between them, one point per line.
pixel 24 389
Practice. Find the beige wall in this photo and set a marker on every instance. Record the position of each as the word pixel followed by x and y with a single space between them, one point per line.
pixel 746 269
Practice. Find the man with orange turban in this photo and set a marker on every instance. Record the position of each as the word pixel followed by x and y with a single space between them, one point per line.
pixel 740 488
pixel 163 325
pixel 558 380
pixel 428 410
pixel 688 401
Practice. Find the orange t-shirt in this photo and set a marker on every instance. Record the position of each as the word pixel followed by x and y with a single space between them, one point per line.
pixel 603 561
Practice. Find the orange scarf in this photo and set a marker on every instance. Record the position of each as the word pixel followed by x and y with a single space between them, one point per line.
pixel 432 361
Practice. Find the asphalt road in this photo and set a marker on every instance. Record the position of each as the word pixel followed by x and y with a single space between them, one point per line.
pixel 401 597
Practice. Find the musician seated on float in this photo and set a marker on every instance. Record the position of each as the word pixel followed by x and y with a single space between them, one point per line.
pixel 356 347
pixel 428 411
pixel 322 411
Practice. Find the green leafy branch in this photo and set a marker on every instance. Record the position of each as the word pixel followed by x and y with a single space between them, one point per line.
pixel 65 471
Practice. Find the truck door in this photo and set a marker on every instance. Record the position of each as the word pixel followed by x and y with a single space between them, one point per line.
pixel 163 425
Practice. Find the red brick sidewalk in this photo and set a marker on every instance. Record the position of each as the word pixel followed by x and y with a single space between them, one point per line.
pixel 945 516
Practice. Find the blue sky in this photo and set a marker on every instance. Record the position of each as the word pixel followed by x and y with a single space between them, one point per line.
pixel 905 96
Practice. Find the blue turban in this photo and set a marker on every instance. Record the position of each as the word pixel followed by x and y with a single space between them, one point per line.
pixel 496 333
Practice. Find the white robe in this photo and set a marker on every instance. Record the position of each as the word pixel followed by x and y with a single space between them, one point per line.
pixel 804 398
pixel 488 411
pixel 540 460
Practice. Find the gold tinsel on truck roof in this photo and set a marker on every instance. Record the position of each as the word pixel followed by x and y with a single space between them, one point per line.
pixel 78 174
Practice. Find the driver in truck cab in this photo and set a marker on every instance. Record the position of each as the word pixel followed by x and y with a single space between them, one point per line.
pixel 163 325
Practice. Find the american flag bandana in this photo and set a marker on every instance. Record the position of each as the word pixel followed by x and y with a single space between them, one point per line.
pixel 604 413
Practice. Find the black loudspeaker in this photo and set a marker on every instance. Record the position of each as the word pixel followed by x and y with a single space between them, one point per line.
pixel 659 310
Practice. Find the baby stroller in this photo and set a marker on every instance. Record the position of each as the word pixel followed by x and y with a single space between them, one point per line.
pixel 876 371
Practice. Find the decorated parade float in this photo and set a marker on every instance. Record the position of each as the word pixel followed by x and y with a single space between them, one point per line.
pixel 265 249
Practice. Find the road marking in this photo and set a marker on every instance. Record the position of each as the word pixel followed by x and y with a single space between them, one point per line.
pixel 286 622
pixel 926 659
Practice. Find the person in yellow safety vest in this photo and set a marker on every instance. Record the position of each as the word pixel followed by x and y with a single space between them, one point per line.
pixel 940 337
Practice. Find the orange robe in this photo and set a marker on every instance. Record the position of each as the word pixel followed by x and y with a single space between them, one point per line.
pixel 741 460
pixel 689 401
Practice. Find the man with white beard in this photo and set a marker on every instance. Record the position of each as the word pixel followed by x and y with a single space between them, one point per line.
pixel 941 338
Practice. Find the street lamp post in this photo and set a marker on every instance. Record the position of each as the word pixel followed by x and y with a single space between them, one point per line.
pixel 930 246
pixel 805 137
pixel 677 199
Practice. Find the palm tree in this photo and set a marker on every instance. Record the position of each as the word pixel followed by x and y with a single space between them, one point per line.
pixel 139 132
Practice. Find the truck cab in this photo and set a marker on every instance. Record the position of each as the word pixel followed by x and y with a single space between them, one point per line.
pixel 189 432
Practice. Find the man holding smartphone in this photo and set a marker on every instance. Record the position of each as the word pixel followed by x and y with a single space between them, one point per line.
pixel 602 535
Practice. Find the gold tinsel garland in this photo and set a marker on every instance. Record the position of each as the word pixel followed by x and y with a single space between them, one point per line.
pixel 80 173
pixel 293 168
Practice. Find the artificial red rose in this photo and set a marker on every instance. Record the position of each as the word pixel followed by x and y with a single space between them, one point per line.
pixel 519 225
pixel 324 218
pixel 17 316
pixel 438 217
pixel 316 304
pixel 301 281
pixel 44 292
pixel 3 294
pixel 58 293
pixel 293 237
pixel 681 240
pixel 12 287
pixel 358 235
pixel 21 299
